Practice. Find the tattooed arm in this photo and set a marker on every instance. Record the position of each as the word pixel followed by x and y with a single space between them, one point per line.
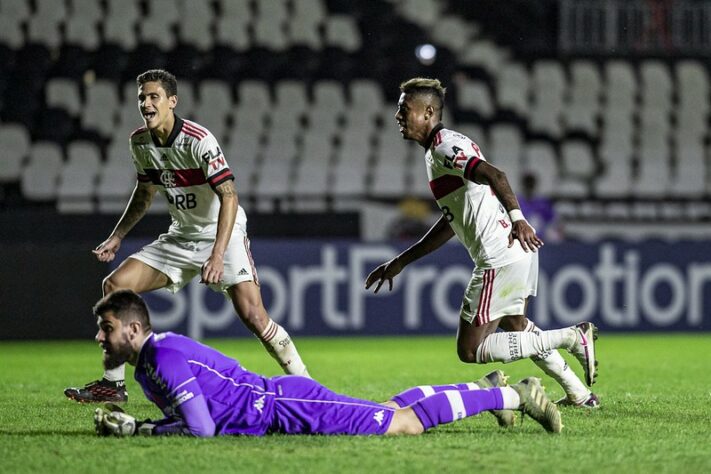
pixel 214 267
pixel 136 208
pixel 486 173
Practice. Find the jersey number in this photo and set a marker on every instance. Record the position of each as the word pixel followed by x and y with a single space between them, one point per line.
pixel 447 214
pixel 182 201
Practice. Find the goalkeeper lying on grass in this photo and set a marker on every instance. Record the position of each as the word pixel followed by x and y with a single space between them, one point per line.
pixel 202 392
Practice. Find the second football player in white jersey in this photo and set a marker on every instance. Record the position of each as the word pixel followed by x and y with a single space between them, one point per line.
pixel 480 208
pixel 207 236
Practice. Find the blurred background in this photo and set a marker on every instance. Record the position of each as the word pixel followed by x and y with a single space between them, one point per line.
pixel 597 110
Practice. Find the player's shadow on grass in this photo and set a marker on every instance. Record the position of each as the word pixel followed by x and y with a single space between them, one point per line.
pixel 52 433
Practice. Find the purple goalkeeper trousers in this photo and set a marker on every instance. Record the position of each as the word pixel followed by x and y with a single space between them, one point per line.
pixel 304 406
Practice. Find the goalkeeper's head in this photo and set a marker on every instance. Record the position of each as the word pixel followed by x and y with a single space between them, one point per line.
pixel 124 323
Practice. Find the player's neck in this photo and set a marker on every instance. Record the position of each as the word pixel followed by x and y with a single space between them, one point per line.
pixel 163 132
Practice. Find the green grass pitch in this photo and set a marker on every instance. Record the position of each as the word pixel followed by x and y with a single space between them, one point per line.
pixel 655 392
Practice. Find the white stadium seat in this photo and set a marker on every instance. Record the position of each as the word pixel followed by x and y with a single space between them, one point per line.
pixel 40 177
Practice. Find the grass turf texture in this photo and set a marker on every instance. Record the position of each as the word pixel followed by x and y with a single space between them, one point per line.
pixel 655 392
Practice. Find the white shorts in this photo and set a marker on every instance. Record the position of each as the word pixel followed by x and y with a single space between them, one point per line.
pixel 181 260
pixel 497 292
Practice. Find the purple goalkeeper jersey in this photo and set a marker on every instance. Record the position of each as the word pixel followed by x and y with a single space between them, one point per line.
pixel 198 389
pixel 202 392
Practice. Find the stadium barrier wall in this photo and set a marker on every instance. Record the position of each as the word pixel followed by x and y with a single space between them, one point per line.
pixel 315 287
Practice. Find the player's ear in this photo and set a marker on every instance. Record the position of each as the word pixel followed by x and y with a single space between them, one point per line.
pixel 172 101
pixel 429 112
pixel 135 328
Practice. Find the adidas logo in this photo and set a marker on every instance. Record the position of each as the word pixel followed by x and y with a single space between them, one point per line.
pixel 378 417
pixel 243 272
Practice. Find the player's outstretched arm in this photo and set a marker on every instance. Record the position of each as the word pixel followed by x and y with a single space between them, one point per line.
pixel 521 230
pixel 137 206
pixel 438 234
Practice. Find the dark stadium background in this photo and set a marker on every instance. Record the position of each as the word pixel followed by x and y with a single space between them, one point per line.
pixel 606 103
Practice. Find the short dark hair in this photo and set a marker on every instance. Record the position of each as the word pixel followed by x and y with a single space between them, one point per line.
pixel 426 86
pixel 126 305
pixel 166 79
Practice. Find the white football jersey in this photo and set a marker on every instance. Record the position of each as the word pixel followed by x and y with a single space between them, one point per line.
pixel 187 169
pixel 474 212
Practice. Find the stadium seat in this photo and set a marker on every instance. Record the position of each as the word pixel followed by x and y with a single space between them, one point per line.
pixel 475 96
pixel 690 171
pixel 512 89
pixel 77 180
pixel 505 150
pixel 100 107
pixel 389 174
pixel 82 32
pixel 117 180
pixel 485 54
pixel 453 32
pixel 584 98
pixel 540 159
pixel 304 23
pixel 44 25
pixel 198 31
pixel 654 168
pixel 313 169
pixel 269 25
pixel 14 143
pixel 64 93
pixel 16 9
pixel 342 32
pixel 548 86
pixel 40 177
pixel 11 31
pixel 119 25
pixel 366 97
pixel 421 12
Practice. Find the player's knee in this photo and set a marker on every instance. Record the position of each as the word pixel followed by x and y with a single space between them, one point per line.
pixel 109 284
pixel 467 354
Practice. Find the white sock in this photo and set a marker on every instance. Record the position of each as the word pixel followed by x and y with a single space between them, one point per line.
pixel 555 366
pixel 511 398
pixel 280 346
pixel 509 346
pixel 116 375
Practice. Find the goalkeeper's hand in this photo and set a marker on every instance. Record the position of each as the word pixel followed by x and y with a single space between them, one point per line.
pixel 113 421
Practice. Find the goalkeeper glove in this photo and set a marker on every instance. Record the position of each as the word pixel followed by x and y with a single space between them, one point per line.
pixel 114 421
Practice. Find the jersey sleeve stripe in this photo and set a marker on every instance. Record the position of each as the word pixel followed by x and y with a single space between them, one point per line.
pixel 470 167
pixel 445 184
pixel 137 131
pixel 219 178
pixel 196 126
pixel 192 131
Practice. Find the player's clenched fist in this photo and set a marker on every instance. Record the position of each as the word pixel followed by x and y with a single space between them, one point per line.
pixel 106 251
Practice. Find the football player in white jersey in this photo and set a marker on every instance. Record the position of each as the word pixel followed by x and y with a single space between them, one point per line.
pixel 480 208
pixel 207 236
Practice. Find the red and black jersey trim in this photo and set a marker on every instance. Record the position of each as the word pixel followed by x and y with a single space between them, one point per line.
pixel 143 178
pixel 445 185
pixel 434 137
pixel 218 178
pixel 470 167
pixel 177 178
